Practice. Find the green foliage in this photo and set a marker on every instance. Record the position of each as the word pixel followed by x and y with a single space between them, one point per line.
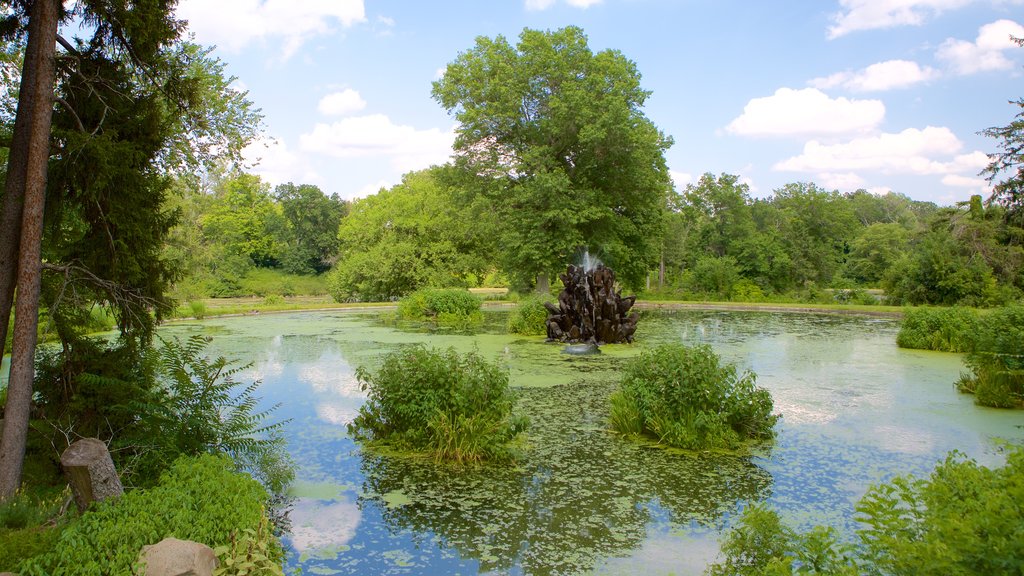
pixel 455 408
pixel 439 303
pixel 198 309
pixel 529 317
pixel 683 397
pixel 20 544
pixel 714 276
pixel 943 329
pixel 875 250
pixel 199 407
pixel 411 236
pixel 199 498
pixel 244 221
pixel 251 551
pixel 997 359
pixel 963 519
pixel 311 240
pixel 556 152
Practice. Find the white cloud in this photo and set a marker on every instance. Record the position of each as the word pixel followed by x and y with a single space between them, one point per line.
pixel 275 163
pixel 879 77
pixel 872 14
pixel 341 103
pixel 680 179
pixel 316 525
pixel 986 52
pixel 933 150
pixel 964 181
pixel 806 112
pixel 233 24
pixel 537 5
pixel 376 136
pixel 844 181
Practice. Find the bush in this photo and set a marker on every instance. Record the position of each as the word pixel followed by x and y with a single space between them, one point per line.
pixel 199 498
pixel 963 519
pixel 438 303
pixel 942 329
pixel 997 359
pixel 450 406
pixel 529 317
pixel 683 397
pixel 198 309
pixel 199 407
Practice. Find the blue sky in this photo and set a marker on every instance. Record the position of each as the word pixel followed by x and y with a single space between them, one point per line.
pixel 875 94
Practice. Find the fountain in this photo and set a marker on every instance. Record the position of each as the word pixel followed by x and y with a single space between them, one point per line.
pixel 590 312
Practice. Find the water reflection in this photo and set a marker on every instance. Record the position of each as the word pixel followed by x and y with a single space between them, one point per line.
pixel 580 495
pixel 856 410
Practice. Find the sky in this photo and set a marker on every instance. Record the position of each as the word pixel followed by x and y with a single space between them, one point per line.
pixel 884 95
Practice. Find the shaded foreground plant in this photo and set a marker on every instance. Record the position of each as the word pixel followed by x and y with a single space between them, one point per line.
pixel 997 360
pixel 685 398
pixel 453 407
pixel 963 519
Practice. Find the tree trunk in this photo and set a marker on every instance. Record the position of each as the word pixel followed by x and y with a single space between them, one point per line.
pixel 14 195
pixel 38 96
pixel 543 283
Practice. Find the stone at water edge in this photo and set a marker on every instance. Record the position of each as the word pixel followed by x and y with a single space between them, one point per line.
pixel 90 471
pixel 173 557
pixel 581 349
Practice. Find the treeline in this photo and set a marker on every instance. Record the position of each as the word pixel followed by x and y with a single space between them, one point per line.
pixel 802 243
pixel 722 244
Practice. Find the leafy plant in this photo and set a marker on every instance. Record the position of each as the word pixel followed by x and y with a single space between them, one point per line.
pixel 250 551
pixel 963 519
pixel 943 329
pixel 198 309
pixel 529 316
pixel 454 407
pixel 199 407
pixel 438 303
pixel 683 397
pixel 997 359
pixel 199 498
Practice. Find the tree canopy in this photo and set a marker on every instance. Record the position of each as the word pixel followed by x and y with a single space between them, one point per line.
pixel 560 149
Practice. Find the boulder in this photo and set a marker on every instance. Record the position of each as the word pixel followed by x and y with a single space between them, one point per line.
pixel 173 557
pixel 90 471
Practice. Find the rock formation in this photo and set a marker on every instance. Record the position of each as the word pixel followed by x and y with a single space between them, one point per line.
pixel 590 310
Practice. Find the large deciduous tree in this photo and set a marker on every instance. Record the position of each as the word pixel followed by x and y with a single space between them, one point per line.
pixel 1010 160
pixel 561 149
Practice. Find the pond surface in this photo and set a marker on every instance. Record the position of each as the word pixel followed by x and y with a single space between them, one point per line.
pixel 855 410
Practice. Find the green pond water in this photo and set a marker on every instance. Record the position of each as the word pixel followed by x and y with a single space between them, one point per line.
pixel 855 410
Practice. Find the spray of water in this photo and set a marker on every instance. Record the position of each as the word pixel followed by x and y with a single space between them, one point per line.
pixel 588 262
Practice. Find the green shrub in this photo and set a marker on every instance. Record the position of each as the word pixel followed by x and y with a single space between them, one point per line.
pixel 529 317
pixel 21 544
pixel 450 406
pixel 745 290
pixel 198 309
pixel 199 498
pixel 199 407
pixel 943 329
pixel 438 303
pixel 997 359
pixel 273 300
pixel 963 519
pixel 683 397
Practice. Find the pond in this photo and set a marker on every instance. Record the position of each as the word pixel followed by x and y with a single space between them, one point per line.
pixel 855 410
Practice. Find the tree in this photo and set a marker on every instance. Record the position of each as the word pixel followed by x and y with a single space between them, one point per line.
pixel 411 236
pixel 128 107
pixel 560 149
pixel 245 221
pixel 874 252
pixel 1009 192
pixel 817 227
pixel 22 222
pixel 311 244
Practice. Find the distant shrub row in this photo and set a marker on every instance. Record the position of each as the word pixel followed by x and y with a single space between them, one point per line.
pixel 994 343
pixel 441 304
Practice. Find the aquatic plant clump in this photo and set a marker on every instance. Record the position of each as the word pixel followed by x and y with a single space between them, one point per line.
pixel 997 360
pixel 529 317
pixel 451 406
pixel 942 329
pixel 685 398
pixel 442 304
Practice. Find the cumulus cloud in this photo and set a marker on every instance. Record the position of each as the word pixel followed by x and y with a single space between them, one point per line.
pixel 959 181
pixel 318 525
pixel 888 75
pixel 536 5
pixel 840 181
pixel 807 112
pixel 341 103
pixel 985 53
pixel 680 179
pixel 376 135
pixel 911 151
pixel 234 24
pixel 858 15
pixel 272 161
